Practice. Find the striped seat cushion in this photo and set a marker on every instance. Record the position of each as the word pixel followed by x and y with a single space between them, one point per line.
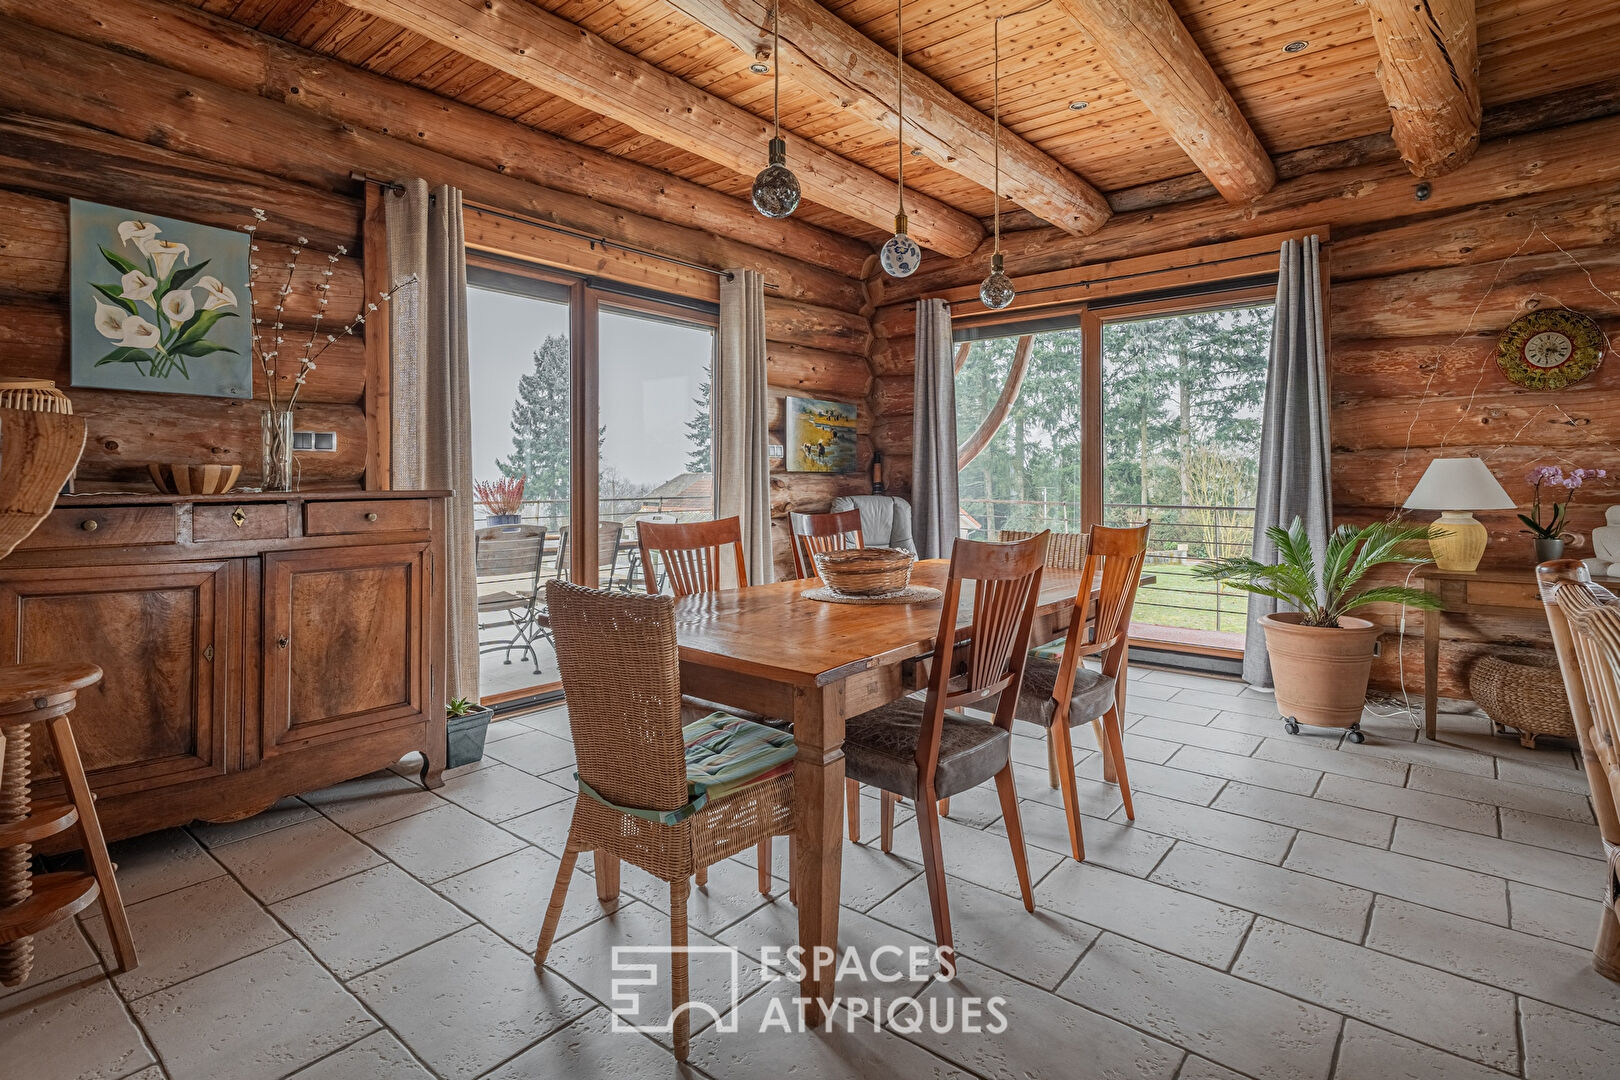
pixel 725 754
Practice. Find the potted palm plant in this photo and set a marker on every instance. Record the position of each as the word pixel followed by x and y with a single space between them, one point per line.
pixel 1321 656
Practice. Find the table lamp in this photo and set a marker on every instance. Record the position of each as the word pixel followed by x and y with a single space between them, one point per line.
pixel 1456 486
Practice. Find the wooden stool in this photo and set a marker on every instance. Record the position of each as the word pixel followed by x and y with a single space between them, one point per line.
pixel 45 694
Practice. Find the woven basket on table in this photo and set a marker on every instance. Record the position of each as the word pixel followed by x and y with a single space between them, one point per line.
pixel 865 571
pixel 1526 694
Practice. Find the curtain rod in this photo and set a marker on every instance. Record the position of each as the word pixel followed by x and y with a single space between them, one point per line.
pixel 398 188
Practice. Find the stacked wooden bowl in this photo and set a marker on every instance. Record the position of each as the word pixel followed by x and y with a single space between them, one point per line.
pixel 865 571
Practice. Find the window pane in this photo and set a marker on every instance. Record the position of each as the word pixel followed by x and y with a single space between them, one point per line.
pixel 1182 400
pixel 655 431
pixel 518 353
pixel 1028 475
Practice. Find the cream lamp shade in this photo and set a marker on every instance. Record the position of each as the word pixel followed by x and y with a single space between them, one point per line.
pixel 1455 486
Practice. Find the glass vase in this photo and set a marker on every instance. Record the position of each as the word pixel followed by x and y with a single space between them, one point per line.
pixel 278 450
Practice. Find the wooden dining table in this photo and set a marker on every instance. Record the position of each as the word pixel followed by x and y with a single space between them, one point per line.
pixel 771 650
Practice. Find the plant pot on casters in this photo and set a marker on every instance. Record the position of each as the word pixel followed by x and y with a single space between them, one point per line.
pixel 1321 656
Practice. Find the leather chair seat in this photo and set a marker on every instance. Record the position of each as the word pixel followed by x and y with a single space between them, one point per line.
pixel 1092 697
pixel 880 748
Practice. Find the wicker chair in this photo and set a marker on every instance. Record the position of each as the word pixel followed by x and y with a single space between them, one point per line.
pixel 621 672
pixel 1059 693
pixel 1066 551
pixel 1585 621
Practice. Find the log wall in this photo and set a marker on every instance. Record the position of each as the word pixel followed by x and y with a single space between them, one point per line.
pixel 1419 291
pixel 191 116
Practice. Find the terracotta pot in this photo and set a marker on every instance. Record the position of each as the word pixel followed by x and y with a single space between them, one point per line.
pixel 1320 672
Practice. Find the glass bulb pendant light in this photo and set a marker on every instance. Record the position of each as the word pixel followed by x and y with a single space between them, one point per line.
pixel 776 189
pixel 997 290
pixel 900 255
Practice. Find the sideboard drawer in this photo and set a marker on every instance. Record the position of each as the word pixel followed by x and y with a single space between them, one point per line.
pixel 107 526
pixel 249 521
pixel 1504 594
pixel 366 516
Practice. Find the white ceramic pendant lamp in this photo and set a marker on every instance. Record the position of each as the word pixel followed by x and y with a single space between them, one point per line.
pixel 900 255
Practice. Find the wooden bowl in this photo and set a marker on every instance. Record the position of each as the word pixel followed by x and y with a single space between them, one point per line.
pixel 865 571
pixel 172 479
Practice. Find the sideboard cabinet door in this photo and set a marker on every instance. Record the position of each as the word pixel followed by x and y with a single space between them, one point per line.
pixel 345 643
pixel 161 636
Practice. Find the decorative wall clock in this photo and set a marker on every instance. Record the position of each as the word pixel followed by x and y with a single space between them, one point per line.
pixel 1550 349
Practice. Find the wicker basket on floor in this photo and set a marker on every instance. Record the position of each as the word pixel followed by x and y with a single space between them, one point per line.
pixel 1525 693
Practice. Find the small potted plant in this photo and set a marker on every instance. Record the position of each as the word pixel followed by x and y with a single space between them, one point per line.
pixel 466 726
pixel 1550 536
pixel 1321 657
pixel 501 499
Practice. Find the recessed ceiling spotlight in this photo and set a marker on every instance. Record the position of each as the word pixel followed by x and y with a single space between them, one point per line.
pixel 1296 46
pixel 1078 105
pixel 760 67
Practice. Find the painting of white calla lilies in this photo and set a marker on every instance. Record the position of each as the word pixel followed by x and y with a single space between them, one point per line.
pixel 155 304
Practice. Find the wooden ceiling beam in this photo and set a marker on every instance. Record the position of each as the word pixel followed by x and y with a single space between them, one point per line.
pixel 1428 66
pixel 1151 51
pixel 569 61
pixel 824 54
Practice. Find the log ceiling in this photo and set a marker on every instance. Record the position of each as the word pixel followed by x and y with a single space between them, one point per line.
pixel 1342 86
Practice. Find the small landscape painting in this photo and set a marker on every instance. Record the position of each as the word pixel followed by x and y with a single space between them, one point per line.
pixel 158 304
pixel 820 436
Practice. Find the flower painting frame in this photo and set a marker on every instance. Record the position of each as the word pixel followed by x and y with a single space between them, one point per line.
pixel 158 304
pixel 820 435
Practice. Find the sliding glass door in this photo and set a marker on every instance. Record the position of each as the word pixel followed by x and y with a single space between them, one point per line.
pixel 551 357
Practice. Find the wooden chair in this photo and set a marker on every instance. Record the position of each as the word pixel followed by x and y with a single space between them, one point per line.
pixel 511 554
pixel 1585 621
pixel 1061 694
pixel 608 537
pixel 691 552
pixel 822 532
pixel 921 749
pixel 621 672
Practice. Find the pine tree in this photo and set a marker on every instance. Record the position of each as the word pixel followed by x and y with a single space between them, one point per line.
pixel 700 433
pixel 540 429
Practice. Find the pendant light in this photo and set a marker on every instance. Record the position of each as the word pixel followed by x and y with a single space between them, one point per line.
pixel 900 255
pixel 997 290
pixel 776 189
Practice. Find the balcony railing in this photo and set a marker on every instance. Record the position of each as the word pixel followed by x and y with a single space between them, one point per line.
pixel 1181 537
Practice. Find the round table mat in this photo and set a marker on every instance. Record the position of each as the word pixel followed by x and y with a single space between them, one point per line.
pixel 914 594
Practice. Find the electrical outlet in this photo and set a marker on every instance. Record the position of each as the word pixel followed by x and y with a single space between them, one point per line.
pixel 321 441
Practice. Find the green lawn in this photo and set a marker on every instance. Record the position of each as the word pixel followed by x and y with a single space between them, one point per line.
pixel 1178 598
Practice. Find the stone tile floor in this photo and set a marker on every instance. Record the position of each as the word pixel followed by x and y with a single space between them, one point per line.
pixel 1289 907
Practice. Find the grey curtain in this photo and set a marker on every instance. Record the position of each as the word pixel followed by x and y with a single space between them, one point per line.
pixel 1294 440
pixel 741 454
pixel 431 410
pixel 935 510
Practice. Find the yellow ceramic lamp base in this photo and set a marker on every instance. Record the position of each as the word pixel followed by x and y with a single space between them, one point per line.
pixel 1459 541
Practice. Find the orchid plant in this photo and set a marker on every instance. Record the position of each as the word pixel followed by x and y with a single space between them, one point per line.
pixel 1554 479
pixel 155 313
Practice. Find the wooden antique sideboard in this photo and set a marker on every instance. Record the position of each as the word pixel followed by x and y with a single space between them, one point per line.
pixel 253 645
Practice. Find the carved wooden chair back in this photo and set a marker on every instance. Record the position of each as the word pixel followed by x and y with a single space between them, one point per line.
pixel 822 532
pixel 692 553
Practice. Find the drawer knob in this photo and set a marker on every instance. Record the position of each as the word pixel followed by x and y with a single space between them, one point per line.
pixel 90 525
pixel 371 516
